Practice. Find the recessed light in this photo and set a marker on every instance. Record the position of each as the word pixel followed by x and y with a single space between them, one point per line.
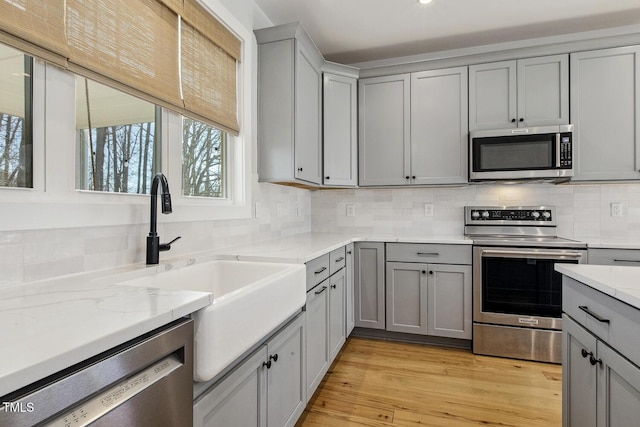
pixel 424 1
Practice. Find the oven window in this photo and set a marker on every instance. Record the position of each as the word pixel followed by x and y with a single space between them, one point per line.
pixel 516 153
pixel 522 286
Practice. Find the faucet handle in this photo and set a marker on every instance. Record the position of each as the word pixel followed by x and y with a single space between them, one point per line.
pixel 167 246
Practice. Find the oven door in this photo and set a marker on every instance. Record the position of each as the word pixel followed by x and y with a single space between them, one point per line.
pixel 519 286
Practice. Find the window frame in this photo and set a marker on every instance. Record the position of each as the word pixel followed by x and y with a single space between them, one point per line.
pixel 54 201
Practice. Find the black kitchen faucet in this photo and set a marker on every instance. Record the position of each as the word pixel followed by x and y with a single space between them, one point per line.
pixel 153 241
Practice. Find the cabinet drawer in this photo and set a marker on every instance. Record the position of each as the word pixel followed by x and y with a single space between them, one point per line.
pixel 429 253
pixel 619 325
pixel 337 260
pixel 317 270
pixel 614 256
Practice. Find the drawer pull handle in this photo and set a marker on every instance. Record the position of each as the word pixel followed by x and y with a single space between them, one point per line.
pixel 321 270
pixel 625 260
pixel 340 259
pixel 428 254
pixel 324 288
pixel 592 314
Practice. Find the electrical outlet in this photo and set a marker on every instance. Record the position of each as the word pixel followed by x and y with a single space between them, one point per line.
pixel 351 210
pixel 428 209
pixel 616 209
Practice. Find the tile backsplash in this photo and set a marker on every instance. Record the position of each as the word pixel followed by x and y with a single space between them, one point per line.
pixel 584 213
pixel 583 210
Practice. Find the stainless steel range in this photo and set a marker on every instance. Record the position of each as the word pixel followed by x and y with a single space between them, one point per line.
pixel 517 295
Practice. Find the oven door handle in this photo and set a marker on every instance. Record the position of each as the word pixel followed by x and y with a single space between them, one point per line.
pixel 537 254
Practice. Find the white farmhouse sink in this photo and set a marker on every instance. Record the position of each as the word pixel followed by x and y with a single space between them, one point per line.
pixel 250 299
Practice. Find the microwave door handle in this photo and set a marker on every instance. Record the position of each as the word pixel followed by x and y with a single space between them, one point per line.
pixel 557 150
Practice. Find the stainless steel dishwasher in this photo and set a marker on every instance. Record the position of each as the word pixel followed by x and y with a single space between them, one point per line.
pixel 147 381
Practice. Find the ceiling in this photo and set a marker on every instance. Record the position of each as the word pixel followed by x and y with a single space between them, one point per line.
pixel 354 31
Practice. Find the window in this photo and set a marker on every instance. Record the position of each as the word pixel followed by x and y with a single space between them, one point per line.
pixel 117 139
pixel 16 146
pixel 203 159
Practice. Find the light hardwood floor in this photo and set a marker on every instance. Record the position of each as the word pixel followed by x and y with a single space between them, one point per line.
pixel 382 383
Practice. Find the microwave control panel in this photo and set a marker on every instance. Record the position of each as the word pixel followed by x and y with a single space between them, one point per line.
pixel 565 151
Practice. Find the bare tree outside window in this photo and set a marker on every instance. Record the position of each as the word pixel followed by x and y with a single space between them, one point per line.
pixel 117 143
pixel 203 159
pixel 16 147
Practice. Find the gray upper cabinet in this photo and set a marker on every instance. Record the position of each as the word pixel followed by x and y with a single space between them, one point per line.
pixel 289 106
pixel 439 126
pixel 524 93
pixel 340 121
pixel 604 109
pixel 384 130
pixel 413 128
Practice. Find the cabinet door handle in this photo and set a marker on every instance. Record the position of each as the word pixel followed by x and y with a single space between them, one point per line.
pixel 585 353
pixel 340 259
pixel 427 254
pixel 513 120
pixel 324 288
pixel 593 360
pixel 592 314
pixel 348 252
pixel 274 357
pixel 267 364
pixel 333 286
pixel 320 271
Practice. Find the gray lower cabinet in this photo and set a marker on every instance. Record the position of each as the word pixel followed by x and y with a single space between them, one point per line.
pixel 267 389
pixel 369 295
pixel 317 339
pixel 630 257
pixel 605 90
pixel 601 358
pixel 600 386
pixel 325 313
pixel 337 313
pixel 429 299
pixel 349 284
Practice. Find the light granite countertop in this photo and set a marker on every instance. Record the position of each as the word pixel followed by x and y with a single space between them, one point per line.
pixel 622 283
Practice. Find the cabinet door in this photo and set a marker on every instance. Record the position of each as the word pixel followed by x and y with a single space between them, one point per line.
pixel 384 131
pixel 369 285
pixel 439 126
pixel 492 96
pixel 449 301
pixel 337 315
pixel 349 284
pixel 317 337
pixel 407 297
pixel 618 389
pixel 308 147
pixel 239 400
pixel 579 376
pixel 543 91
pixel 340 137
pixel 286 396
pixel 605 88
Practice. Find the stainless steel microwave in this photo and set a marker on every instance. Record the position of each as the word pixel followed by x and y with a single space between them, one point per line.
pixel 540 153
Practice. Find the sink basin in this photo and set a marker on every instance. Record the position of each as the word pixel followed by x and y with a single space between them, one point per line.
pixel 250 299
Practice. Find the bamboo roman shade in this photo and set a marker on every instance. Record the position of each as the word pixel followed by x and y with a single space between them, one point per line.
pixel 35 27
pixel 170 52
pixel 134 43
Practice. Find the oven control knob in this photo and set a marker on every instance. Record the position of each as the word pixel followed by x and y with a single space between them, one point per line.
pixel 485 214
pixel 535 215
pixel 475 214
pixel 546 214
